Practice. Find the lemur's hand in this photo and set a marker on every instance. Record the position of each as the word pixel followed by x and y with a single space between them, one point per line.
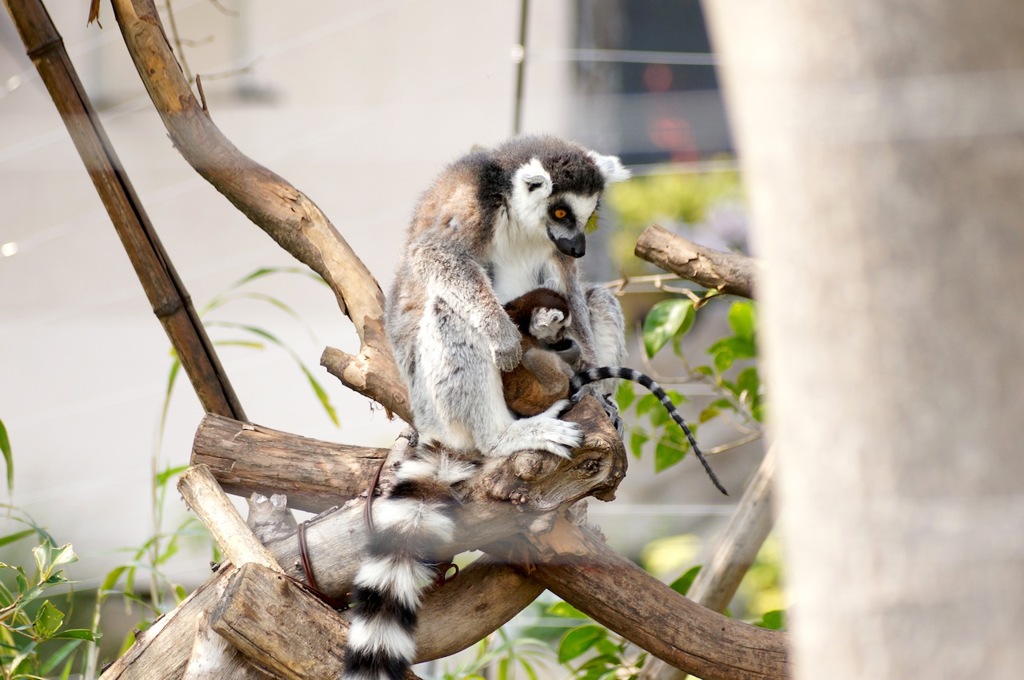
pixel 507 346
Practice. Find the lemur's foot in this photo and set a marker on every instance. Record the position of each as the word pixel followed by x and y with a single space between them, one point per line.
pixel 542 432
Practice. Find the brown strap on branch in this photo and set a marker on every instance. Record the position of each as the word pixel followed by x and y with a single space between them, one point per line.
pixel 311 584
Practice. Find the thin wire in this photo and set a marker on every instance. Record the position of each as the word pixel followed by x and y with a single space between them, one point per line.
pixel 590 54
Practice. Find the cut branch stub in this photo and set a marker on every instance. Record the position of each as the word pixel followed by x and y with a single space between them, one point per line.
pixel 730 273
pixel 314 474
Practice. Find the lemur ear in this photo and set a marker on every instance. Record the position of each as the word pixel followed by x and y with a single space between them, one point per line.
pixel 534 178
pixel 611 167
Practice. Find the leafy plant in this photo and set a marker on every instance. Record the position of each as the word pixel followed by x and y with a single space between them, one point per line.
pixel 149 560
pixel 592 652
pixel 731 374
pixel 500 656
pixel 34 643
pixel 5 449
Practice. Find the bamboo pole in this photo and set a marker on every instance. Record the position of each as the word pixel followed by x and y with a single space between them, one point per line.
pixel 165 291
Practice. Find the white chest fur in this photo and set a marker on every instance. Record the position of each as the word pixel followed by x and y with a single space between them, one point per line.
pixel 521 261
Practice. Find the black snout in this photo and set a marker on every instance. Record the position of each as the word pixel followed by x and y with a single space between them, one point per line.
pixel 576 246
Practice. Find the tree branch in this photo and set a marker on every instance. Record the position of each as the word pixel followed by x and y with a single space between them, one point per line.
pixel 274 205
pixel 735 550
pixel 580 568
pixel 730 273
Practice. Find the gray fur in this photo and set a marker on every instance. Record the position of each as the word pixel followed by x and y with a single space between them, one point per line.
pixel 489 230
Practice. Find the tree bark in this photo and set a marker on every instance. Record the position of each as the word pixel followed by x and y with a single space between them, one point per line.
pixel 580 568
pixel 882 146
pixel 730 273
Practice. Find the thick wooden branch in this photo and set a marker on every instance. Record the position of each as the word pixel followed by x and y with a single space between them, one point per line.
pixel 579 567
pixel 163 649
pixel 274 205
pixel 165 291
pixel 214 658
pixel 306 639
pixel 508 496
pixel 730 273
pixel 314 474
pixel 449 621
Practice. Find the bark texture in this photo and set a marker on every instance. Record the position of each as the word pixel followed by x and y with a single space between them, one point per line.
pixel 883 147
pixel 730 273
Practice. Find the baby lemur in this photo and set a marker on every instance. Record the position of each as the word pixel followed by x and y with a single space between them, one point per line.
pixel 544 376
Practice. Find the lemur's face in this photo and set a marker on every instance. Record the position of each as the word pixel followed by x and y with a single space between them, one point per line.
pixel 567 218
pixel 561 216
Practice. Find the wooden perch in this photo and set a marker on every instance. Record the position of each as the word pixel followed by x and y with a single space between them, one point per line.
pixel 734 551
pixel 163 649
pixel 449 622
pixel 314 474
pixel 274 205
pixel 213 508
pixel 508 496
pixel 730 273
pixel 580 568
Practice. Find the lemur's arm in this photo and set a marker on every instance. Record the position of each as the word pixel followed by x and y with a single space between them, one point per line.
pixel 453 275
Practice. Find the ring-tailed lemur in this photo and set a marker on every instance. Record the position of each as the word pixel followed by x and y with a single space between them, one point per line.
pixel 494 225
pixel 543 378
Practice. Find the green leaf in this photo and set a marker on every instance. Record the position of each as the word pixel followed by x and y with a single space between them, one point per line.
pixel 578 640
pixel 637 439
pixel 48 620
pixel 11 538
pixel 682 584
pixel 321 394
pixel 625 394
pixel 5 448
pixel 724 358
pixel 566 611
pixel 57 657
pixel 775 620
pixel 647 403
pixel 78 634
pixel 669 451
pixel 665 319
pixel 113 576
pixel 742 320
pixel 163 477
pixel 64 555
pixel 710 412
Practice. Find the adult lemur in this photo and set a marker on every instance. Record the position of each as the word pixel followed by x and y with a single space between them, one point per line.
pixel 543 377
pixel 494 225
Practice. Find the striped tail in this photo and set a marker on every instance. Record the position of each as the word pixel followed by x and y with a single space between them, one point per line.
pixel 412 524
pixel 605 372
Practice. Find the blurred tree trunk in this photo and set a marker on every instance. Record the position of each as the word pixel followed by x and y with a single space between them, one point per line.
pixel 883 148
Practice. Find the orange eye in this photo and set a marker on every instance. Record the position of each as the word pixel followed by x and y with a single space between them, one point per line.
pixel 560 213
